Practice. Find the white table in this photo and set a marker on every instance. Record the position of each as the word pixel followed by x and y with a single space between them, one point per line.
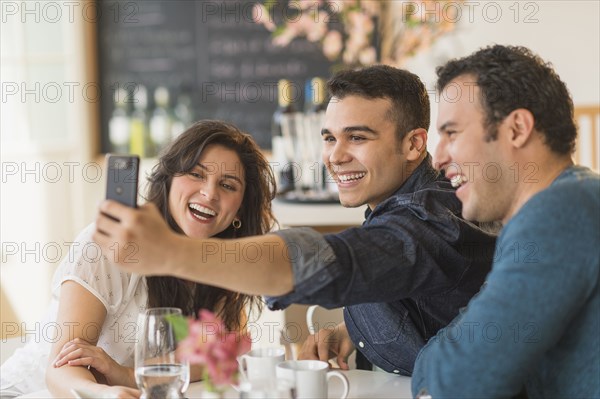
pixel 363 384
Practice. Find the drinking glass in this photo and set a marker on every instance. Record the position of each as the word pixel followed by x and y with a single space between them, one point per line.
pixel 158 373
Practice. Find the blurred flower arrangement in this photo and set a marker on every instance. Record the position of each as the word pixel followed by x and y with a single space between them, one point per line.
pixel 360 32
pixel 207 342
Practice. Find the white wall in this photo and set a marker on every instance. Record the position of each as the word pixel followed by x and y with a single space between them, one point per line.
pixel 46 149
pixel 566 33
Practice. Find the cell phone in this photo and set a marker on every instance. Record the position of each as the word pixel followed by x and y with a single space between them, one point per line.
pixel 122 178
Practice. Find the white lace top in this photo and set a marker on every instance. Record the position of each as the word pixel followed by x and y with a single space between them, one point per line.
pixel 123 295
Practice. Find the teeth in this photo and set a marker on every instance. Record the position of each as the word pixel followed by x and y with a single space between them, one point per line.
pixel 458 180
pixel 203 209
pixel 198 216
pixel 347 178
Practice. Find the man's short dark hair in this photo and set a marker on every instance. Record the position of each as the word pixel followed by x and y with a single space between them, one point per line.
pixel 410 102
pixel 512 77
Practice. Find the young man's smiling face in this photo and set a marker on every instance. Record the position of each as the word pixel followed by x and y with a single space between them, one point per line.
pixel 481 168
pixel 361 150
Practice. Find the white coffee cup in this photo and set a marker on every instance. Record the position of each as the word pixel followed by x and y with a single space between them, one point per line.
pixel 310 377
pixel 259 363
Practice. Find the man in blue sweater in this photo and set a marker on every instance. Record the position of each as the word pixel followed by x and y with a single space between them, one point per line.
pixel 506 141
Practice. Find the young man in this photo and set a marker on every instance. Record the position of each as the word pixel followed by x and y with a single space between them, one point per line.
pixel 402 276
pixel 507 143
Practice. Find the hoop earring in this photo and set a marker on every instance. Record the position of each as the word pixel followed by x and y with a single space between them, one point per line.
pixel 237 223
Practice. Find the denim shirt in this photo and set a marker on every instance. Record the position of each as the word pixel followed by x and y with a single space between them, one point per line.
pixel 402 275
pixel 536 321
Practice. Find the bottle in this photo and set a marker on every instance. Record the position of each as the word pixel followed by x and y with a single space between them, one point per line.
pixel 161 121
pixel 314 108
pixel 139 143
pixel 118 124
pixel 283 132
pixel 315 93
pixel 285 104
pixel 183 115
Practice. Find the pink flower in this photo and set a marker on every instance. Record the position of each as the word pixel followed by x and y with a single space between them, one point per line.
pixel 356 42
pixel 371 7
pixel 332 44
pixel 318 28
pixel 286 36
pixel 421 24
pixel 210 344
pixel 367 56
pixel 260 15
pixel 359 29
pixel 306 4
pixel 360 22
pixel 338 6
pixel 349 57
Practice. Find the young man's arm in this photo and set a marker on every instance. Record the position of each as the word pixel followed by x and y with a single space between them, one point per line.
pixel 389 259
pixel 141 242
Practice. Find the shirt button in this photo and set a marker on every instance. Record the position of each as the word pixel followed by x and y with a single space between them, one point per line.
pixel 396 371
pixel 361 344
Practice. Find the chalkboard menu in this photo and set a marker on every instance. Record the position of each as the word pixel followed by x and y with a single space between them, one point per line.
pixel 209 51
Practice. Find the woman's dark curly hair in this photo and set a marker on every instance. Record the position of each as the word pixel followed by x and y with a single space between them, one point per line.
pixel 255 213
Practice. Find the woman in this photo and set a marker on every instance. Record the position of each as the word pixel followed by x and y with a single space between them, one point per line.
pixel 212 181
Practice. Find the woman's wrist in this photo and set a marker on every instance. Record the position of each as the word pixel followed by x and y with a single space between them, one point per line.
pixel 130 371
pixel 121 375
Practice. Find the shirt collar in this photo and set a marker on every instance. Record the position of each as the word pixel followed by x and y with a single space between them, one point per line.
pixel 422 175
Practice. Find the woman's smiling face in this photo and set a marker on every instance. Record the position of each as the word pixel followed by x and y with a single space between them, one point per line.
pixel 205 200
